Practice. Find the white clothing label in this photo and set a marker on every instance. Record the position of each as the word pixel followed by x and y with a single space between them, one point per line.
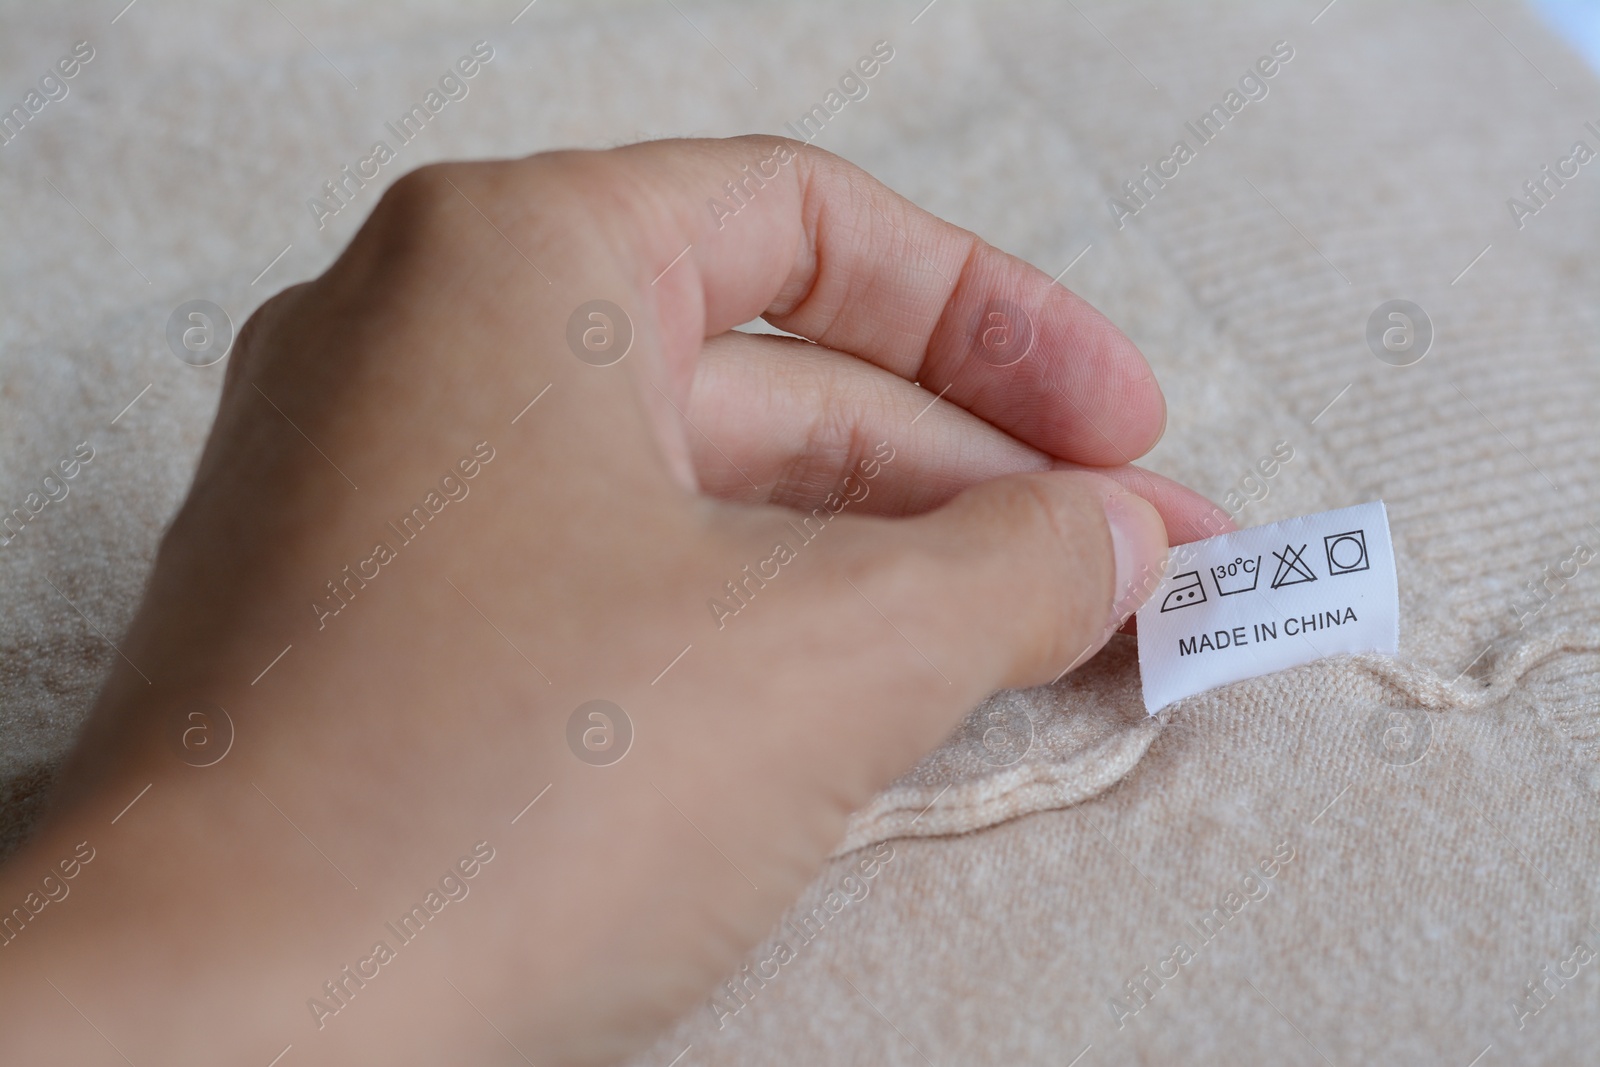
pixel 1256 601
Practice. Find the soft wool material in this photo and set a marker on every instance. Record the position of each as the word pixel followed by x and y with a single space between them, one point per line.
pixel 1045 865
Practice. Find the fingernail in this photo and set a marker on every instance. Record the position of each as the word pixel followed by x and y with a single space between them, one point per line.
pixel 1139 540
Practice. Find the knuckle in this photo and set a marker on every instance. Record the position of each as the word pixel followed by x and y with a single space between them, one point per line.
pixel 253 345
pixel 418 212
pixel 457 209
pixel 419 192
pixel 569 199
pixel 832 438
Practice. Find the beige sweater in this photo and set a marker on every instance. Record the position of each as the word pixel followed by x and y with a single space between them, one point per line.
pixel 1261 875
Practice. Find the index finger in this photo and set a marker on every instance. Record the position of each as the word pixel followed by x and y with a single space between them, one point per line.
pixel 724 231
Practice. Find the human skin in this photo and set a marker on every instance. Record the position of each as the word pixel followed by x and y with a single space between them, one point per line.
pixel 425 715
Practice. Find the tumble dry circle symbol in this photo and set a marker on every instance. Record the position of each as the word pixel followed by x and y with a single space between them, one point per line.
pixel 1292 570
pixel 599 333
pixel 1347 552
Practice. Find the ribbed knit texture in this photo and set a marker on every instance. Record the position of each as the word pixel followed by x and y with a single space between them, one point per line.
pixel 1421 898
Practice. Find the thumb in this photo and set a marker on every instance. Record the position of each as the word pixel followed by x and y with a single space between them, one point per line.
pixel 1035 571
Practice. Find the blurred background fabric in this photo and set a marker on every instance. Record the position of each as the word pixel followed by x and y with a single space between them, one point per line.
pixel 1044 863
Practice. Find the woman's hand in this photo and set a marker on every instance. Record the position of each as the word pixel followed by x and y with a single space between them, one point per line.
pixel 506 458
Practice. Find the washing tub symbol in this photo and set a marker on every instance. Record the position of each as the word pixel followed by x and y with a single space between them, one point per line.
pixel 1240 576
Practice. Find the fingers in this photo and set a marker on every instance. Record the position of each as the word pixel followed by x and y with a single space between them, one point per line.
pixel 724 231
pixel 776 420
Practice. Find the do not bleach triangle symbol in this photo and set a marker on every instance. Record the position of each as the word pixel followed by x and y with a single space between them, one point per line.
pixel 1292 570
